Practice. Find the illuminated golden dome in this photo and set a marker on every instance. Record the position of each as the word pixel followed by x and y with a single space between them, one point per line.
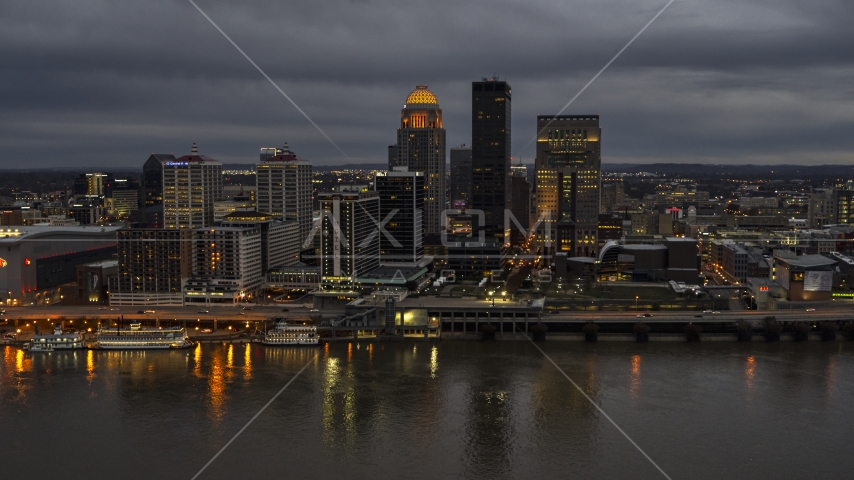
pixel 421 96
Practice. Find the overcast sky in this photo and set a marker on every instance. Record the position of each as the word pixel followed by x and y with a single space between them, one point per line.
pixel 105 83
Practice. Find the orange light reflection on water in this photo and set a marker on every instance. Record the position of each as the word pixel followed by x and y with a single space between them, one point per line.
pixel 749 372
pixel 247 361
pixel 90 364
pixel 636 381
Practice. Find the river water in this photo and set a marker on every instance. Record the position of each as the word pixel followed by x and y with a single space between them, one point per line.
pixel 452 409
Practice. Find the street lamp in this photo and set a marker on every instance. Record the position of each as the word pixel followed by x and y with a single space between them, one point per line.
pixel 636 302
pixel 492 294
pixel 503 296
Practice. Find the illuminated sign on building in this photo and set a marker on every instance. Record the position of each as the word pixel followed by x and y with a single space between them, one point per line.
pixel 2 263
pixel 176 164
pixel 27 261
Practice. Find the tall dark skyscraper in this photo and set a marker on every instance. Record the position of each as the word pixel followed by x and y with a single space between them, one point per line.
pixel 401 205
pixel 461 177
pixel 151 189
pixel 568 165
pixel 490 152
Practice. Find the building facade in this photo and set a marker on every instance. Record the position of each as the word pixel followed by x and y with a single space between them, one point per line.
pixel 421 148
pixel 490 153
pixel 153 264
pixel 349 244
pixel 283 188
pixel 191 185
pixel 401 195
pixel 151 188
pixel 280 241
pixel 568 177
pixel 37 261
pixel 461 186
pixel 226 266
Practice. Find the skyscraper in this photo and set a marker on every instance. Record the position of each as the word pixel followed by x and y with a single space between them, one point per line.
pixel 349 243
pixel 191 185
pixel 153 264
pixel 401 208
pixel 490 152
pixel 568 177
pixel 283 184
pixel 151 199
pixel 461 177
pixel 421 148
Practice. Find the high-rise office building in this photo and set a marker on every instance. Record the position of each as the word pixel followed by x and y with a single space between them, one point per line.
pixel 283 188
pixel 349 243
pixel 280 241
pixel 421 148
pixel 226 265
pixel 191 185
pixel 461 187
pixel 490 152
pixel 151 186
pixel 153 264
pixel 401 195
pixel 567 189
pixel 92 184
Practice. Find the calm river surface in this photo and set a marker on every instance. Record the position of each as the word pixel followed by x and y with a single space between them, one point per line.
pixel 450 409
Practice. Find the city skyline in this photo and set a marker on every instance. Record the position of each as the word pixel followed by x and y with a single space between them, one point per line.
pixel 700 73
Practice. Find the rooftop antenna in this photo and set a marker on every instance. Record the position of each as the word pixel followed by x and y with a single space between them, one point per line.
pixel 194 150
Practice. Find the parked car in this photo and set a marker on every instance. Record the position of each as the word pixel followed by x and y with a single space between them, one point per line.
pixel 555 312
pixel 810 309
pixel 102 308
pixel 206 330
pixel 204 311
pixel 10 336
pixel 284 309
pixel 698 316
pixel 643 315
pixel 247 308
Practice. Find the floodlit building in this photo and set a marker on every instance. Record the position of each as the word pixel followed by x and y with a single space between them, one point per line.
pixel 421 147
pixel 567 189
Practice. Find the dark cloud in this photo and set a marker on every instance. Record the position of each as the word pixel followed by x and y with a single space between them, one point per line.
pixel 105 83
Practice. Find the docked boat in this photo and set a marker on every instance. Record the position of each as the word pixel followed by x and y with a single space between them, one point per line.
pixel 136 337
pixel 291 334
pixel 55 341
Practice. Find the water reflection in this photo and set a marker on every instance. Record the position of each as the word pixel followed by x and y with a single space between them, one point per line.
pixel 750 371
pixel 247 361
pixel 634 389
pixel 90 365
pixel 490 429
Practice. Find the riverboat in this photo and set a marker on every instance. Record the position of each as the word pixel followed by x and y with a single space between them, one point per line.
pixel 291 334
pixel 136 337
pixel 55 341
